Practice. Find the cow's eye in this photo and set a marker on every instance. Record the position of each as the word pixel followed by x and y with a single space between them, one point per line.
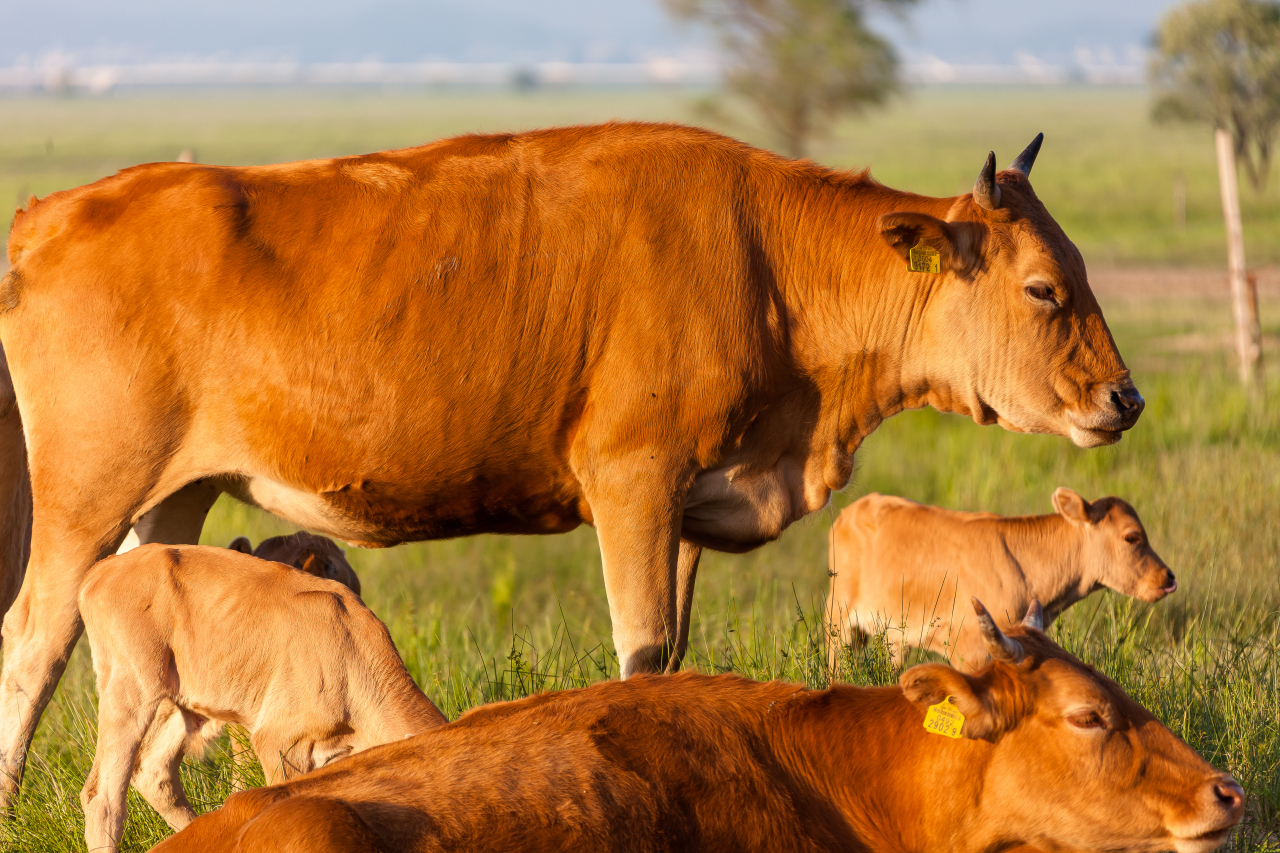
pixel 1087 720
pixel 1041 293
pixel 1133 537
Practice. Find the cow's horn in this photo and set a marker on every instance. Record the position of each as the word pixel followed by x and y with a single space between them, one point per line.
pixel 1035 616
pixel 999 646
pixel 1027 158
pixel 985 190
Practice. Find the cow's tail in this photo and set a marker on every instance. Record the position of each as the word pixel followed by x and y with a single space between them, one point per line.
pixel 15 493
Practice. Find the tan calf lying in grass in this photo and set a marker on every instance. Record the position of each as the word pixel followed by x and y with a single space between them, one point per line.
pixel 906 568
pixel 187 638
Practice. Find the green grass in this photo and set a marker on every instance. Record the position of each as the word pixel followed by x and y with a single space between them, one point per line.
pixel 490 617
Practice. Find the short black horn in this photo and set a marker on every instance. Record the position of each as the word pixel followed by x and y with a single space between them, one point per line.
pixel 985 191
pixel 1027 158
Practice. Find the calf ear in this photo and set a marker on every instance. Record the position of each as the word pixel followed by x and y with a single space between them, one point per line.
pixel 931 683
pixel 241 544
pixel 1071 506
pixel 958 247
pixel 312 563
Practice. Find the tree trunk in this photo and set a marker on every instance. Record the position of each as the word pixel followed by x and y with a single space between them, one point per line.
pixel 1248 332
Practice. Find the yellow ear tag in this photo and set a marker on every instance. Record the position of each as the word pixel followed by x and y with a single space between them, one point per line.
pixel 923 259
pixel 944 719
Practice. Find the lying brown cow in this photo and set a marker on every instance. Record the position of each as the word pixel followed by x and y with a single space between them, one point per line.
pixel 901 568
pixel 1050 754
pixel 188 638
pixel 650 328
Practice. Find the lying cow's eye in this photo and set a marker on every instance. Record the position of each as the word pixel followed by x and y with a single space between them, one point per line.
pixel 1133 538
pixel 1042 293
pixel 1091 720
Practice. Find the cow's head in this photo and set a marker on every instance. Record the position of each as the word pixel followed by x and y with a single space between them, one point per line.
pixel 313 554
pixel 1076 763
pixel 1012 333
pixel 1115 546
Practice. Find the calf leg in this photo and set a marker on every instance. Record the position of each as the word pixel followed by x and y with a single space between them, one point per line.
pixel 124 716
pixel 157 774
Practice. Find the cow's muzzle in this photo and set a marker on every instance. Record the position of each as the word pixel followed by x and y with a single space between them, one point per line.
pixel 1220 806
pixel 1115 408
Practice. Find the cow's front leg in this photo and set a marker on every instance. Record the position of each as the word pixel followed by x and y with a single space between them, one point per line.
pixel 638 526
pixel 686 574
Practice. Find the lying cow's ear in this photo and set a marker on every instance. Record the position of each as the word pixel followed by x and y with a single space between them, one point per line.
pixel 957 246
pixel 241 544
pixel 1071 506
pixel 930 683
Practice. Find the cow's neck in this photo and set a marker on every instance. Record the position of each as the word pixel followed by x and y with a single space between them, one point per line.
pixel 854 311
pixel 900 788
pixel 1050 552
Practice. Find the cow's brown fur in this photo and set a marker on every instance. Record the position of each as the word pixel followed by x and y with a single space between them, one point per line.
pixel 907 570
pixel 188 638
pixel 718 763
pixel 653 329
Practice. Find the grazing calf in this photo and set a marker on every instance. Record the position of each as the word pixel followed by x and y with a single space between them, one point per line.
pixel 315 555
pixel 902 567
pixel 1050 754
pixel 188 638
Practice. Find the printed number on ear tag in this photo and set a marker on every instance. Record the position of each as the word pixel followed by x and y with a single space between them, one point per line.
pixel 944 719
pixel 923 259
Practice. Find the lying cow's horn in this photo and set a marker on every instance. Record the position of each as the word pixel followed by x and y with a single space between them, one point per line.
pixel 1035 616
pixel 985 191
pixel 1027 158
pixel 999 646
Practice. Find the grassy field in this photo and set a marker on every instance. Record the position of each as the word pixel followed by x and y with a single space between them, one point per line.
pixel 496 617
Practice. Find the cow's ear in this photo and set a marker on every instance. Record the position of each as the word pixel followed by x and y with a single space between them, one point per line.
pixel 241 544
pixel 1071 506
pixel 904 230
pixel 931 683
pixel 311 563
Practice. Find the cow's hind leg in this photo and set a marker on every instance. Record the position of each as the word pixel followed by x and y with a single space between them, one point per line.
pixel 176 520
pixel 312 825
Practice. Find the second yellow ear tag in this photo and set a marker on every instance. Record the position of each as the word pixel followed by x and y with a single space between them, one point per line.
pixel 944 719
pixel 923 259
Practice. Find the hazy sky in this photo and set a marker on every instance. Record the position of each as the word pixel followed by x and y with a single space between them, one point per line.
pixel 520 30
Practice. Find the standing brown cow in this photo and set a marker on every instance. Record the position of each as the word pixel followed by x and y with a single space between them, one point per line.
pixel 650 328
pixel 1050 754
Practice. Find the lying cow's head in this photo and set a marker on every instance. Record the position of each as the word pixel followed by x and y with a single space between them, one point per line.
pixel 313 554
pixel 1116 546
pixel 1012 332
pixel 1077 764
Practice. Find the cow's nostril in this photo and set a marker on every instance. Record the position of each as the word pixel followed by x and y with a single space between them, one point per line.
pixel 1229 794
pixel 1126 400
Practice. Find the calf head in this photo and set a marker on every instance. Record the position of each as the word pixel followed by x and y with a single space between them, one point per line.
pixel 1012 333
pixel 1076 764
pixel 313 554
pixel 1116 546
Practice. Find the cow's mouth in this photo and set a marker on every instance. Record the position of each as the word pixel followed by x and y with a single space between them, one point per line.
pixel 1088 437
pixel 1203 843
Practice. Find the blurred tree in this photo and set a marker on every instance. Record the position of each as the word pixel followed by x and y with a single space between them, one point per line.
pixel 1218 62
pixel 800 63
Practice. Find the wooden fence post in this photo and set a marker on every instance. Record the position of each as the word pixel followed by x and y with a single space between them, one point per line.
pixel 1248 331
